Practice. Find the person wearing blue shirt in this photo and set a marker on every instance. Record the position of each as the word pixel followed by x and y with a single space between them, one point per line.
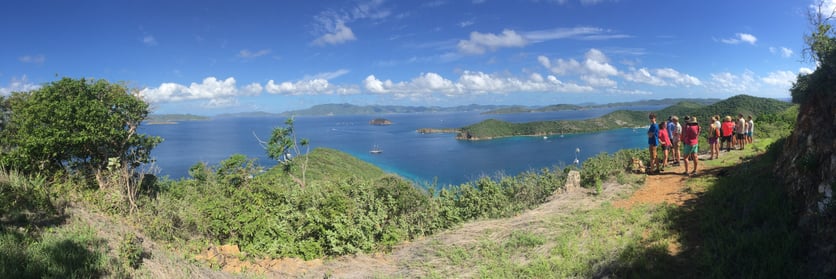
pixel 653 141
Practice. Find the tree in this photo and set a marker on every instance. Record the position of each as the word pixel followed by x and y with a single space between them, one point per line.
pixel 283 147
pixel 77 125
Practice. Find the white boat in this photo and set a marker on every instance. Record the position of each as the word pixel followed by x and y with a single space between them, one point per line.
pixel 376 150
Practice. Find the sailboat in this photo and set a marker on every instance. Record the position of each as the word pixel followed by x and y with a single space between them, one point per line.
pixel 376 150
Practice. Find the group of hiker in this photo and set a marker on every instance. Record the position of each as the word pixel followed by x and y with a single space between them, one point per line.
pixel 682 142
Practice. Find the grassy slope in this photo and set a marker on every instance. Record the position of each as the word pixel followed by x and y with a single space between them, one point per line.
pixel 625 118
pixel 739 226
pixel 329 164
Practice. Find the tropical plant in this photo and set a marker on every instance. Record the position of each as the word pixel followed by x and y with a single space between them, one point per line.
pixel 283 146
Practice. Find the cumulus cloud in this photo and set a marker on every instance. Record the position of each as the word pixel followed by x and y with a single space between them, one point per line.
pixel 661 77
pixel 21 84
pixel 34 59
pixel 595 69
pixel 479 43
pixel 469 83
pixel 737 84
pixel 246 53
pixel 780 78
pixel 805 71
pixel 741 38
pixel 211 89
pixel 316 86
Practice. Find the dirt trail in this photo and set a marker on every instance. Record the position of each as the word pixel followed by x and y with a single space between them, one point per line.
pixel 667 186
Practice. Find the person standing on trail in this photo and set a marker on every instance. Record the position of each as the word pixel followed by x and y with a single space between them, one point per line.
pixel 652 141
pixel 665 142
pixel 671 128
pixel 713 139
pixel 727 129
pixel 690 139
pixel 741 130
pixel 675 139
pixel 750 127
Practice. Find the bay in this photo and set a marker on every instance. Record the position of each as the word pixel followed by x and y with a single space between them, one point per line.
pixel 427 159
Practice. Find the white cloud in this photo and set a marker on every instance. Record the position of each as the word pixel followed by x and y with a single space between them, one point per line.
pixel 828 7
pixel 805 71
pixel 149 40
pixel 466 23
pixel 34 59
pixel 741 38
pixel 783 51
pixel 339 34
pixel 780 78
pixel 19 85
pixel 737 84
pixel 333 27
pixel 470 83
pixel 678 78
pixel 213 90
pixel 246 53
pixel 328 75
pixel 643 75
pixel 316 86
pixel 479 43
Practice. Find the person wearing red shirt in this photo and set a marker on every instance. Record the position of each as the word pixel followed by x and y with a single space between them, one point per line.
pixel 727 128
pixel 665 142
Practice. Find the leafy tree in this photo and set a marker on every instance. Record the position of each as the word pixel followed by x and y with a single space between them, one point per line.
pixel 821 48
pixel 78 125
pixel 283 147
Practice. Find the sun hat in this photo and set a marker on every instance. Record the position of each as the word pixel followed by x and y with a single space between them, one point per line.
pixel 693 120
pixel 674 118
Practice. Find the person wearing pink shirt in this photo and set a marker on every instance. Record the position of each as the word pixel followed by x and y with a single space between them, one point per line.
pixel 690 141
pixel 665 142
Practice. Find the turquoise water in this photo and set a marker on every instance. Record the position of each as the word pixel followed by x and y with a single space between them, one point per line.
pixel 419 157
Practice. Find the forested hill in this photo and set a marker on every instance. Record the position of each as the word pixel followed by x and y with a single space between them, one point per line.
pixel 560 107
pixel 747 105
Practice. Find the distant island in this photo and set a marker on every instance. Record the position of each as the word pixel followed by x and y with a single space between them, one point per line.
pixel 159 119
pixel 492 128
pixel 563 107
pixel 380 122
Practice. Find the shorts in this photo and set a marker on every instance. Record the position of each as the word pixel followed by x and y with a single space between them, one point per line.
pixel 675 143
pixel 741 136
pixel 712 140
pixel 690 149
pixel 666 147
pixel 725 139
pixel 749 134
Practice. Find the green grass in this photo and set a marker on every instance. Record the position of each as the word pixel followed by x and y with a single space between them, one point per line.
pixel 740 226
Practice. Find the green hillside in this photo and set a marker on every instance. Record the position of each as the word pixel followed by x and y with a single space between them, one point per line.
pixel 329 165
pixel 747 105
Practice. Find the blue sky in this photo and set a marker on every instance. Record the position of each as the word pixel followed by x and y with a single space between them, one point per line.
pixel 209 57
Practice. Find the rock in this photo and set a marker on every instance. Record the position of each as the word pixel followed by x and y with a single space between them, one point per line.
pixel 573 181
pixel 380 122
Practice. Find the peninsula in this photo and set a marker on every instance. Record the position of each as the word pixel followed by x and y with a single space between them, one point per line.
pixel 492 128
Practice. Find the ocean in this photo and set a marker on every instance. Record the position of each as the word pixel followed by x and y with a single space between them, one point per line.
pixel 427 159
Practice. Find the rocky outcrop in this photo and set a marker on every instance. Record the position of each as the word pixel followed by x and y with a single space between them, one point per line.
pixel 807 166
pixel 437 131
pixel 380 122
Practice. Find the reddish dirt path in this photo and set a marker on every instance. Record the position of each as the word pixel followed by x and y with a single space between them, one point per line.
pixel 669 186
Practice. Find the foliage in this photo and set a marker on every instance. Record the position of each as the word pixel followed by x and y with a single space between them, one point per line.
pixel 76 124
pixel 32 246
pixel 283 147
pixel 347 206
pixel 821 48
pixel 130 251
pixel 601 167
